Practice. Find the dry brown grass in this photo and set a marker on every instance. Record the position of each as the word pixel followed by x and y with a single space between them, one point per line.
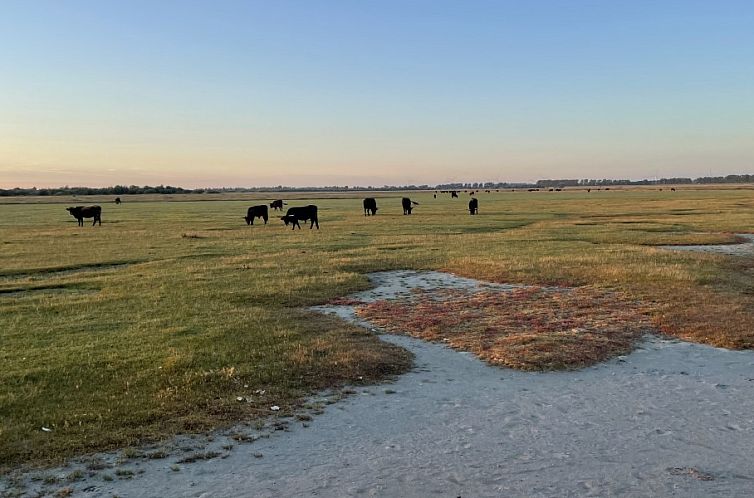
pixel 530 328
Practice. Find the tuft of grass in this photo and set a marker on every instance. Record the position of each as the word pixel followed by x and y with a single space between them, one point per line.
pixel 124 473
pixel 194 457
pixel 63 492
pixel 76 475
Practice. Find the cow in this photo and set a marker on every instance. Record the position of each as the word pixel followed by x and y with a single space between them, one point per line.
pixel 117 200
pixel 474 206
pixel 672 189
pixel 453 194
pixel 278 204
pixel 407 205
pixel 81 212
pixel 256 212
pixel 294 214
pixel 370 206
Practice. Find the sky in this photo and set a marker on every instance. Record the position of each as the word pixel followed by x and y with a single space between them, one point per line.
pixel 372 92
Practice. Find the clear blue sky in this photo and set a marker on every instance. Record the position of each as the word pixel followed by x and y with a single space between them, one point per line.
pixel 373 92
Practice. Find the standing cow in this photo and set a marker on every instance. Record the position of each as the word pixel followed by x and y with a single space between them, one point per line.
pixel 277 204
pixel 81 212
pixel 453 194
pixel 407 205
pixel 256 212
pixel 296 214
pixel 474 206
pixel 117 200
pixel 370 206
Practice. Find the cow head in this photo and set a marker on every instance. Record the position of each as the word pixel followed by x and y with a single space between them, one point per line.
pixel 248 219
pixel 285 220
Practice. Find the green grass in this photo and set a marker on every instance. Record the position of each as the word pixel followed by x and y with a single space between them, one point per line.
pixel 153 323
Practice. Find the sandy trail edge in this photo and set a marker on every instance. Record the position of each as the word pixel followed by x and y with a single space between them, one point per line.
pixel 634 426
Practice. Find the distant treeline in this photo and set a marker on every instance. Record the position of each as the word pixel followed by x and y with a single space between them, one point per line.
pixel 167 189
pixel 662 181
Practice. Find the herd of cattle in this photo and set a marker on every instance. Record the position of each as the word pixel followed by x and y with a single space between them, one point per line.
pixel 292 216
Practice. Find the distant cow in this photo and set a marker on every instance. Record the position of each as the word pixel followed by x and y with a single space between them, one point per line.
pixel 672 189
pixel 296 214
pixel 408 205
pixel 453 193
pixel 474 206
pixel 277 204
pixel 117 200
pixel 81 212
pixel 370 206
pixel 256 212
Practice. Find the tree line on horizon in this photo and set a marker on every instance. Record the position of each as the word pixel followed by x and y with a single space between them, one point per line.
pixel 561 183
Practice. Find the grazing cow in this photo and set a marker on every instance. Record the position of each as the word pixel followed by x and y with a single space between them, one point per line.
pixel 81 212
pixel 453 193
pixel 370 206
pixel 277 204
pixel 256 212
pixel 117 200
pixel 588 190
pixel 434 195
pixel 672 189
pixel 407 205
pixel 474 206
pixel 296 214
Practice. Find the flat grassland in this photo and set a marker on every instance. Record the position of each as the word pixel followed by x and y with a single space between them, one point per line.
pixel 155 322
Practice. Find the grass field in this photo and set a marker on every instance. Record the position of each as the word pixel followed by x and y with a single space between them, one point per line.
pixel 154 323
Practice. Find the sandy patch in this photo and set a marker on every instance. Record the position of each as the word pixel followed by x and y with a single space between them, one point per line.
pixel 745 248
pixel 670 419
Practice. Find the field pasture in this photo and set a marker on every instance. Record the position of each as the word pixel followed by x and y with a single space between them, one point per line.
pixel 156 322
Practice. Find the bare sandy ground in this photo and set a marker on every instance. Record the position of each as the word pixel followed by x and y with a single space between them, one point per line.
pixel 670 419
pixel 743 249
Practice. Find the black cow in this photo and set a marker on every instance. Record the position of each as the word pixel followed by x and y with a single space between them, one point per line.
pixel 407 205
pixel 117 200
pixel 474 206
pixel 256 212
pixel 370 206
pixel 294 214
pixel 453 193
pixel 81 212
pixel 278 204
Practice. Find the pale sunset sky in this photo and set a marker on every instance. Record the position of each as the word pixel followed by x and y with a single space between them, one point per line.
pixel 372 92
